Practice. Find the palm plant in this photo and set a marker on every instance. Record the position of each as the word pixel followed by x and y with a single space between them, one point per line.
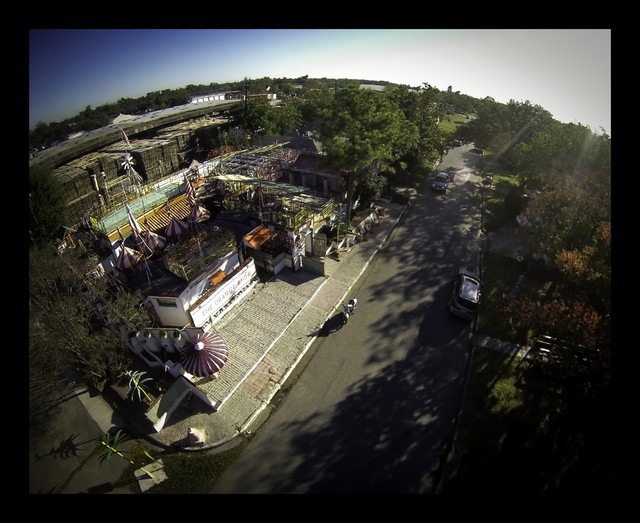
pixel 136 384
pixel 110 443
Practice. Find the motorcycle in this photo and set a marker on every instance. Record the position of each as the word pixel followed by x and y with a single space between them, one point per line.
pixel 348 309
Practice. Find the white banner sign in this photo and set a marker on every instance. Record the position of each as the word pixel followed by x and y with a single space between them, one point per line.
pixel 223 295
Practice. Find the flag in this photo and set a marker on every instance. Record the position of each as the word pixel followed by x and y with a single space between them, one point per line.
pixel 126 140
pixel 135 226
pixel 138 238
pixel 120 235
pixel 188 190
pixel 199 214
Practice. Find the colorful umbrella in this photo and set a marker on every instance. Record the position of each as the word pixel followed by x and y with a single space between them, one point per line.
pixel 151 242
pixel 204 355
pixel 128 258
pixel 176 227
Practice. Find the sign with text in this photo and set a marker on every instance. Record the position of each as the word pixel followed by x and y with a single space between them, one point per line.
pixel 227 292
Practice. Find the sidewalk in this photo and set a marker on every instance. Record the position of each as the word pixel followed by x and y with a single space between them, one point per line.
pixel 268 334
pixel 63 456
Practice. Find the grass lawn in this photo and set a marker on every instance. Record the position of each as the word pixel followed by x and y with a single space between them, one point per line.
pixel 187 472
pixel 450 122
pixel 195 472
pixel 495 215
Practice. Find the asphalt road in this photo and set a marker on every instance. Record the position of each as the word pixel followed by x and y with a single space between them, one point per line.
pixel 375 406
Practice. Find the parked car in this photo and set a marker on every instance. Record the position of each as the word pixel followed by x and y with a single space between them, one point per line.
pixel 465 295
pixel 477 151
pixel 441 183
pixel 457 143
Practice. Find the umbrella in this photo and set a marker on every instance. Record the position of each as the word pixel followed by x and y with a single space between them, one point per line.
pixel 128 258
pixel 176 227
pixel 199 214
pixel 204 354
pixel 151 242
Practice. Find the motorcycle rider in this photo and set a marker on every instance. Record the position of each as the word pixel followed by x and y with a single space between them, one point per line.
pixel 348 308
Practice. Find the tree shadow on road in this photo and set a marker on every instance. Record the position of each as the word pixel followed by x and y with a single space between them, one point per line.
pixel 67 448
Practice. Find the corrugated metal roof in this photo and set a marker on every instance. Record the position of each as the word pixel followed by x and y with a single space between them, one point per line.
pixel 158 218
pixel 284 188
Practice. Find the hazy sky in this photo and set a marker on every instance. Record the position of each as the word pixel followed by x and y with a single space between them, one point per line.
pixel 567 72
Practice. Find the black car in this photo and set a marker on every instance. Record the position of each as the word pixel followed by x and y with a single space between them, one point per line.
pixel 441 183
pixel 465 295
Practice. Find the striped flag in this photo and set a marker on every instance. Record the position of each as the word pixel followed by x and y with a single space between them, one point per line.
pixel 125 138
pixel 135 226
pixel 188 190
pixel 120 235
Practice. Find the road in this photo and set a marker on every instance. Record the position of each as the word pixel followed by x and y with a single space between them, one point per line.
pixel 375 406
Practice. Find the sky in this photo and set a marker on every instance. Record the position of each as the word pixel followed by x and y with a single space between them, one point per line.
pixel 565 71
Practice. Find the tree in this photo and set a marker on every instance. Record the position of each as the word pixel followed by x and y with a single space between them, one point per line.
pixel 286 118
pixel 572 321
pixel 312 104
pixel 589 268
pixel 257 114
pixel 363 133
pixel 109 447
pixel 77 323
pixel 47 210
pixel 569 211
pixel 137 384
pixel 421 107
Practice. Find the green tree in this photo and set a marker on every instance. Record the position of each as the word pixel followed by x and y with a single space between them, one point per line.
pixel 569 211
pixel 78 323
pixel 285 88
pixel 421 107
pixel 574 321
pixel 47 210
pixel 256 114
pixel 362 134
pixel 488 124
pixel 312 104
pixel 286 118
pixel 137 384
pixel 589 268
